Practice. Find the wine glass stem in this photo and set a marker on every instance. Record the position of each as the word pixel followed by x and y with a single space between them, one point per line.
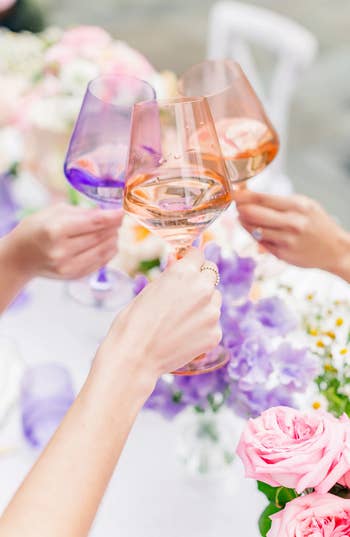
pixel 100 280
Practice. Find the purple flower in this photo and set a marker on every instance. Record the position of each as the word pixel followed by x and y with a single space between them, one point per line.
pixel 140 283
pixel 236 273
pixel 250 404
pixel 196 389
pixel 250 362
pixel 274 315
pixel 295 367
pixel 165 400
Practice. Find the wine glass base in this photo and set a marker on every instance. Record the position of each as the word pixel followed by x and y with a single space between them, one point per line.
pixel 205 363
pixel 110 295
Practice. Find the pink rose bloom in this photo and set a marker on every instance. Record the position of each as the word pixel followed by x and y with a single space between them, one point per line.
pixel 296 449
pixel 313 515
pixel 121 59
pixel 82 41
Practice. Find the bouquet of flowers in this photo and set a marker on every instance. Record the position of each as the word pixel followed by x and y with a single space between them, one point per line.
pixel 44 78
pixel 302 463
pixel 264 369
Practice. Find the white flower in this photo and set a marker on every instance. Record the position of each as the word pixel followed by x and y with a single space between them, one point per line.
pixel 10 148
pixel 75 76
pixel 55 113
pixel 136 244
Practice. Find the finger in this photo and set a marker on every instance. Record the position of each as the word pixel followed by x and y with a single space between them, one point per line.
pixel 193 257
pixel 274 249
pixel 253 215
pixel 81 243
pixel 210 272
pixel 83 220
pixel 278 203
pixel 275 236
pixel 91 260
pixel 216 300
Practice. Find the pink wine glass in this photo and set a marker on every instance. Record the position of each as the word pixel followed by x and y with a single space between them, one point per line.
pixel 95 166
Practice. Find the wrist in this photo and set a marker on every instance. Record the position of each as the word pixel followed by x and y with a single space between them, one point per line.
pixel 127 365
pixel 341 266
pixel 10 256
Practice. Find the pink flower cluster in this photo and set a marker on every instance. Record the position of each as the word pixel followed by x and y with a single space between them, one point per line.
pixel 301 450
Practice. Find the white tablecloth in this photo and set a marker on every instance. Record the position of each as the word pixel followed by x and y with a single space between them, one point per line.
pixel 150 495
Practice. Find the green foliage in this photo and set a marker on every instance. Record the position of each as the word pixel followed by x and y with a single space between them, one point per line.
pixel 278 497
pixel 265 520
pixel 145 266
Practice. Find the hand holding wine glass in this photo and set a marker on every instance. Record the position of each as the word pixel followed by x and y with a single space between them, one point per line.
pixel 297 230
pixel 95 166
pixel 59 242
pixel 176 184
pixel 182 309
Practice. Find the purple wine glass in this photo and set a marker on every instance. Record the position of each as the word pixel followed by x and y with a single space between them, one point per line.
pixel 46 395
pixel 95 166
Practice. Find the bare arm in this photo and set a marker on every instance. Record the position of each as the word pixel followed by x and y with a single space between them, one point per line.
pixel 173 320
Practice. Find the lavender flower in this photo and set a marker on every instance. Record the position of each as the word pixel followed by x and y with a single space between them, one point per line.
pixel 273 314
pixel 236 273
pixel 140 283
pixel 250 362
pixel 198 390
pixel 295 367
pixel 165 400
pixel 250 404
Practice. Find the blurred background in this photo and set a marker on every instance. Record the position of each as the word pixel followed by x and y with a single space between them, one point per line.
pixel 173 35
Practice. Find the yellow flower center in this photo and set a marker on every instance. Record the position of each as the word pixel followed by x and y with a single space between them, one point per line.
pixel 141 233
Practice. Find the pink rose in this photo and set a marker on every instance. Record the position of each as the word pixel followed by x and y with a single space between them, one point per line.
pixel 86 37
pixel 296 449
pixel 82 41
pixel 313 515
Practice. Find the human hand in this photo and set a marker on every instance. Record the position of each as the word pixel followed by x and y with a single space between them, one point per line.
pixel 64 242
pixel 173 320
pixel 296 229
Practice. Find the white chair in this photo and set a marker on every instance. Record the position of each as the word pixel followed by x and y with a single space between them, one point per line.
pixel 233 28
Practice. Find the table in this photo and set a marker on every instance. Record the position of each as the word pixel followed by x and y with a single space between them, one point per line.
pixel 149 495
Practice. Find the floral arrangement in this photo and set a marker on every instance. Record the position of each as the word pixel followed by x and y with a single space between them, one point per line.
pixel 44 77
pixel 327 324
pixel 264 369
pixel 302 463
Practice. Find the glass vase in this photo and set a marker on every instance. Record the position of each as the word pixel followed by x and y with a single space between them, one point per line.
pixel 206 441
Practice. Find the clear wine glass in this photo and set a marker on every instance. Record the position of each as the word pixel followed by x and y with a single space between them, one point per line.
pixel 248 140
pixel 95 166
pixel 177 184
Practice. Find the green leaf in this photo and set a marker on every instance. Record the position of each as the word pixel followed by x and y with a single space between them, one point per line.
pixel 270 492
pixel 284 495
pixel 265 521
pixel 279 496
pixel 149 264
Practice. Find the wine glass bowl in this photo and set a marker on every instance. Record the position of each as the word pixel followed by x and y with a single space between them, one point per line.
pixel 98 150
pixel 248 140
pixel 174 187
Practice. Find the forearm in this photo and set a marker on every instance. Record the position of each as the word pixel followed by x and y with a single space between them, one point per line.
pixel 62 492
pixel 13 277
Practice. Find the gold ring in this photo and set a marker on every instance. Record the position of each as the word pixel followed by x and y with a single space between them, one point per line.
pixel 208 265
